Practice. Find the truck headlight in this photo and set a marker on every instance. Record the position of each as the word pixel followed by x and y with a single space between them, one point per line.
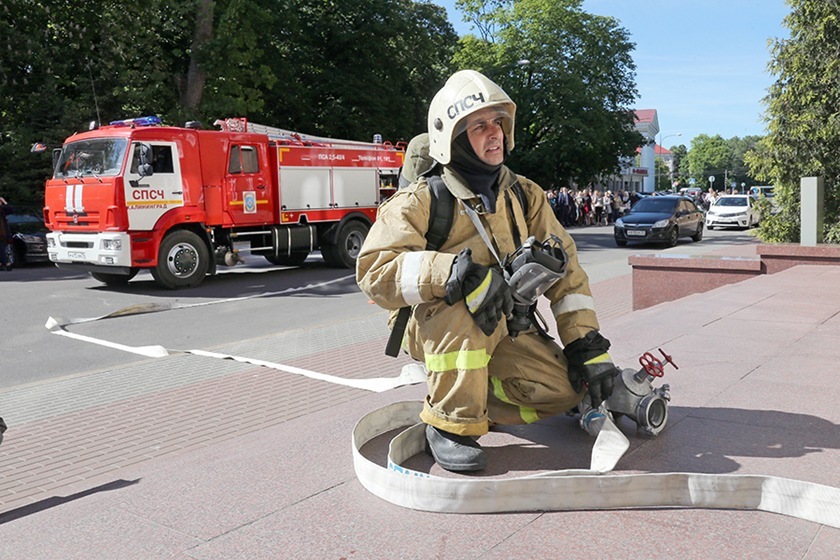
pixel 112 244
pixel 50 242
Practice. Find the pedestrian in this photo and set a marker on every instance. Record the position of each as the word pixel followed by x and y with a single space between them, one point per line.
pixel 5 235
pixel 609 208
pixel 564 205
pixel 598 205
pixel 710 198
pixel 477 372
pixel 616 206
pixel 588 212
pixel 579 208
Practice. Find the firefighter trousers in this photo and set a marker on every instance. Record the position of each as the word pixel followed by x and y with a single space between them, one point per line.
pixel 474 379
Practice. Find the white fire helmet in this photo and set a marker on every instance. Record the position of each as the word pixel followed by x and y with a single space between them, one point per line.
pixel 464 93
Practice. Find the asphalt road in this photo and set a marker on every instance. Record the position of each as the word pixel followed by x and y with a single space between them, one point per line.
pixel 245 303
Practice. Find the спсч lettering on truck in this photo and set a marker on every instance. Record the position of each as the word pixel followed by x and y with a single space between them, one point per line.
pixel 180 201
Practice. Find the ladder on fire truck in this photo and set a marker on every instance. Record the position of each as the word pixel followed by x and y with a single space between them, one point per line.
pixel 243 125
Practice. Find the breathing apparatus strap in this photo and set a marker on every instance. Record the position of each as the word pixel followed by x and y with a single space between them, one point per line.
pixel 441 216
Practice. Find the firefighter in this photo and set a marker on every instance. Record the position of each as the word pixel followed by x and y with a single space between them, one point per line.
pixel 477 373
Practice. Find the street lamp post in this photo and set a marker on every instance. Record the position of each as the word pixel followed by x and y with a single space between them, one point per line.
pixel 661 147
pixel 525 63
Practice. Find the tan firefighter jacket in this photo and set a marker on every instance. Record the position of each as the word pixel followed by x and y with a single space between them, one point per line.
pixel 394 268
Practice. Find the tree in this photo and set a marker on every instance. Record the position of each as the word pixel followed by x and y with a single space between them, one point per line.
pixel 345 69
pixel 572 77
pixel 738 171
pixel 709 155
pixel 358 67
pixel 680 164
pixel 64 64
pixel 803 120
pixel 662 176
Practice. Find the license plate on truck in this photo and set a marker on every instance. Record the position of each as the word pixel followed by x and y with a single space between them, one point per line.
pixel 76 255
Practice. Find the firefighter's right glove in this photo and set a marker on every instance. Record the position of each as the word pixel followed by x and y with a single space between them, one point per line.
pixel 590 364
pixel 484 291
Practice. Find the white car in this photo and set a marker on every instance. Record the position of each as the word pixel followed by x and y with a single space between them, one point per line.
pixel 734 210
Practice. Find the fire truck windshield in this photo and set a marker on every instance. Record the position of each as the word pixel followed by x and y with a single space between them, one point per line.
pixel 100 157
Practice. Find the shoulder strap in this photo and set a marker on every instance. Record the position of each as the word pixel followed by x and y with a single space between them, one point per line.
pixel 441 213
pixel 520 195
pixel 441 216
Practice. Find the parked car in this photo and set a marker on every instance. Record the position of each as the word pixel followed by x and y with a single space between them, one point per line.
pixel 694 193
pixel 733 210
pixel 661 219
pixel 29 241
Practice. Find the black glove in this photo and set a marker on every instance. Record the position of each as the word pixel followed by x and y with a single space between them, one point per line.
pixel 590 364
pixel 484 291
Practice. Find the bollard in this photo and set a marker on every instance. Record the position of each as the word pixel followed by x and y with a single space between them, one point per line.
pixel 812 211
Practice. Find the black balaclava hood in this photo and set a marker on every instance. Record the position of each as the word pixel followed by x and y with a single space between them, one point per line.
pixel 481 178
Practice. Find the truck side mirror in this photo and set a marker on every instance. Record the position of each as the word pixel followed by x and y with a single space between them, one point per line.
pixel 56 155
pixel 144 169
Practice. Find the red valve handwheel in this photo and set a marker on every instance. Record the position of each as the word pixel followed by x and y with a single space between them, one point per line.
pixel 652 365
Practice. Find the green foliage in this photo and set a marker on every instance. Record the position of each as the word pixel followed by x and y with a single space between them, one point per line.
pixel 803 118
pixel 345 69
pixel 572 78
pixel 662 177
pixel 709 155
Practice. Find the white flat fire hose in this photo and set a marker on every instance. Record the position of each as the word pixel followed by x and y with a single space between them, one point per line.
pixel 573 489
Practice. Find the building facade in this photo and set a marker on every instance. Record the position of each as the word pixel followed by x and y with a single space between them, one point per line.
pixel 639 173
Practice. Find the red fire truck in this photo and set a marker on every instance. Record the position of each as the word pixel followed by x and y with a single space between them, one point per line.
pixel 180 201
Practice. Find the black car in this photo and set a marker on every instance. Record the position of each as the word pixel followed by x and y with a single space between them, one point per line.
pixel 29 237
pixel 660 219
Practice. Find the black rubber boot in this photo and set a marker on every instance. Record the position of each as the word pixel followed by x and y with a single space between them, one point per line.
pixel 453 452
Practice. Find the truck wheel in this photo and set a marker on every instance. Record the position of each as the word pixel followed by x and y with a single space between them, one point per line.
pixel 348 245
pixel 295 259
pixel 183 260
pixel 114 279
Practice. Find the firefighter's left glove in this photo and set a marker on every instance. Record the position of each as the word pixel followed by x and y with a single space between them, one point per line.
pixel 482 289
pixel 591 365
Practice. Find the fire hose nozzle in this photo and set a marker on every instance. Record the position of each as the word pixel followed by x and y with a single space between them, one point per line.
pixel 529 272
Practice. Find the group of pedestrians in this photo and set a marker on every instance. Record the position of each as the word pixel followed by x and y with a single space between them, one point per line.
pixel 589 207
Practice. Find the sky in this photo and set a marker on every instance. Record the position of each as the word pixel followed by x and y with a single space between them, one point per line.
pixel 702 64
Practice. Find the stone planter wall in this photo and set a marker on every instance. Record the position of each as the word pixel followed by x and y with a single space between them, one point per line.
pixel 666 277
